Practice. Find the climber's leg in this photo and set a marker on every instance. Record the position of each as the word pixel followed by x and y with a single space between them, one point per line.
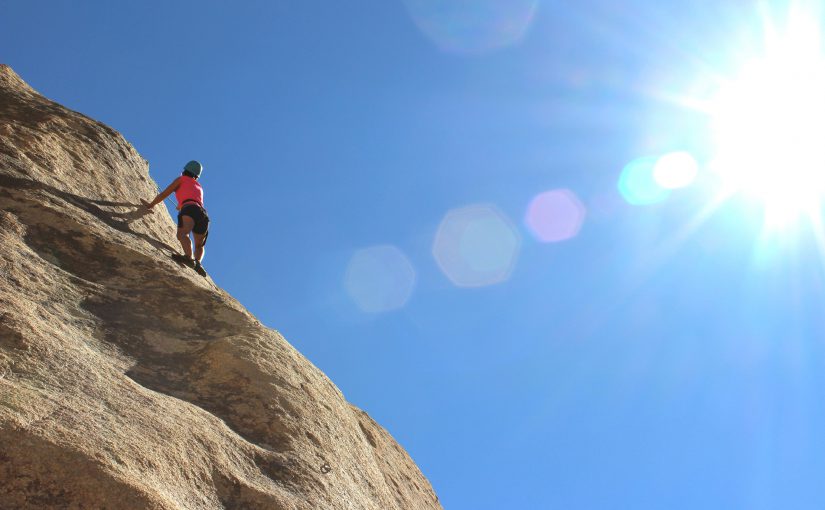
pixel 185 225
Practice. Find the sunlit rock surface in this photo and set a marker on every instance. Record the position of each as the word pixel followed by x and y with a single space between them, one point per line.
pixel 110 396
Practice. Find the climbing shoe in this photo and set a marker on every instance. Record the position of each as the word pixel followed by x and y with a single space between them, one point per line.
pixel 183 259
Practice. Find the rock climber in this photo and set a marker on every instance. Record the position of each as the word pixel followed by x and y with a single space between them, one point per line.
pixel 192 217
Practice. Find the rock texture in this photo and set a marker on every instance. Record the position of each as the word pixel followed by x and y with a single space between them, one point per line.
pixel 109 398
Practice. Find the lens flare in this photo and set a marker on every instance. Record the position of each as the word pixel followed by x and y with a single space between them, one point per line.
pixel 638 185
pixel 675 170
pixel 379 278
pixel 473 26
pixel 555 216
pixel 476 246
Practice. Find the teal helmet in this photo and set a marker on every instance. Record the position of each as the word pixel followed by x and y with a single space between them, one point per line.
pixel 194 168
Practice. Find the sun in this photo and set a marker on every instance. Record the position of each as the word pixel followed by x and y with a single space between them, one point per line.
pixel 769 124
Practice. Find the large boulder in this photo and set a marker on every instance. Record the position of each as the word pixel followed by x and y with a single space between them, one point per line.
pixel 109 397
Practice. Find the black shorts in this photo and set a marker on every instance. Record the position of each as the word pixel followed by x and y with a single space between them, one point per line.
pixel 198 214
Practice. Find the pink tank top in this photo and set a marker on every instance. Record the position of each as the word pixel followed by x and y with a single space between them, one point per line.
pixel 189 189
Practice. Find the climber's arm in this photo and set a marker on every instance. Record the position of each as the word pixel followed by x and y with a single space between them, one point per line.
pixel 163 194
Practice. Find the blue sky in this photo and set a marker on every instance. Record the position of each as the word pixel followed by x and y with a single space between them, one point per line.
pixel 658 357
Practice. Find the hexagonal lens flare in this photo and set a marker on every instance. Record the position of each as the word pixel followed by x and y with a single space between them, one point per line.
pixel 638 185
pixel 675 170
pixel 379 278
pixel 476 246
pixel 471 27
pixel 555 215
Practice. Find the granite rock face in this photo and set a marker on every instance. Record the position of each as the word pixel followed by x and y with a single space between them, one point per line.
pixel 109 397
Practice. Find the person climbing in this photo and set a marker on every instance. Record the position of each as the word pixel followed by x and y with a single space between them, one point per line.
pixel 192 217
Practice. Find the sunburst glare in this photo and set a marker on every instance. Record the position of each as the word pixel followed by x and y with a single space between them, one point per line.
pixel 769 123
